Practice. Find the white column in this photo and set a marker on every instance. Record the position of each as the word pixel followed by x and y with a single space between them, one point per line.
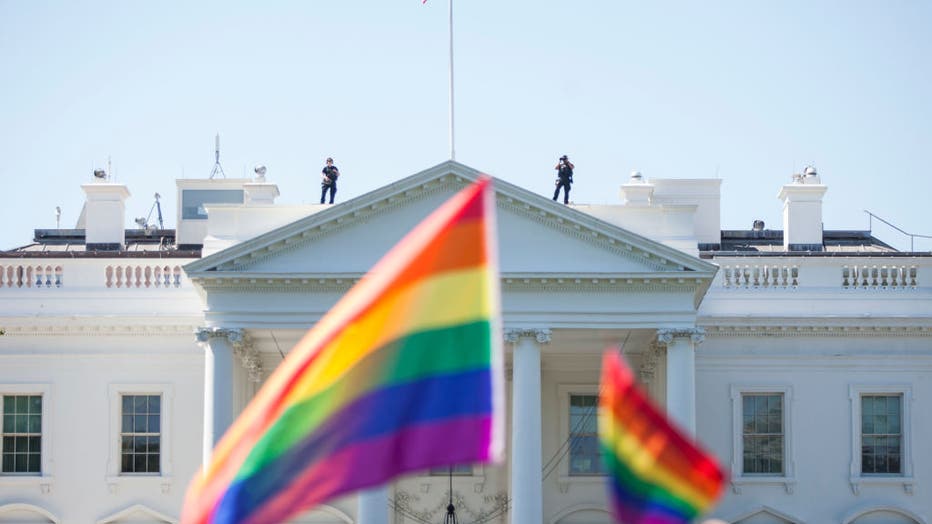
pixel 373 506
pixel 526 448
pixel 681 374
pixel 218 383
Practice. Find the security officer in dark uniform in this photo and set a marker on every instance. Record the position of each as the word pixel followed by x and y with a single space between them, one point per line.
pixel 564 179
pixel 328 181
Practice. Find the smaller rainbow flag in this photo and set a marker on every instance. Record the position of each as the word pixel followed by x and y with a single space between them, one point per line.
pixel 656 475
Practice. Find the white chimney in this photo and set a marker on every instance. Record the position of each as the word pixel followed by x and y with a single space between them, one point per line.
pixel 260 191
pixel 638 191
pixel 802 212
pixel 105 214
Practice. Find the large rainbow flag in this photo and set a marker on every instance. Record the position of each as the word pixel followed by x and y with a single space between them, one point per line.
pixel 656 475
pixel 403 374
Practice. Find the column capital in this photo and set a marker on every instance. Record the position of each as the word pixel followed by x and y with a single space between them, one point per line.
pixel 233 335
pixel 666 335
pixel 542 335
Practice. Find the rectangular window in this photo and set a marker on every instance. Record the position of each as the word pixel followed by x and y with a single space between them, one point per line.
pixel 141 434
pixel 585 453
pixel 194 200
pixel 881 434
pixel 762 433
pixel 21 434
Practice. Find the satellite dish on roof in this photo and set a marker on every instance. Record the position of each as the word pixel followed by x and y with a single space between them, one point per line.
pixel 260 172
pixel 100 174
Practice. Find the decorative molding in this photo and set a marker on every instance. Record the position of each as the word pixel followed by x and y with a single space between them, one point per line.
pixel 819 331
pixel 410 505
pixel 542 335
pixel 243 347
pixel 233 335
pixel 631 283
pixel 665 336
pixel 68 328
pixel 648 368
pixel 250 358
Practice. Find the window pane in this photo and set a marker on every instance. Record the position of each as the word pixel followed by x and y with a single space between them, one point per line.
pixel 155 404
pixel 139 463
pixel 153 424
pixel 127 426
pixel 7 422
pixel 127 404
pixel 22 404
pixel 126 464
pixel 139 424
pixel 139 404
pixel 8 404
pixel 881 439
pixel 152 465
pixel 34 424
pixel 762 427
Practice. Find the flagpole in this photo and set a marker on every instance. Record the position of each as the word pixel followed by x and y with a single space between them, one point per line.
pixel 452 150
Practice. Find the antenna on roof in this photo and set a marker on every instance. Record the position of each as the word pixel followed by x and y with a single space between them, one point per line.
pixel 217 167
pixel 57 217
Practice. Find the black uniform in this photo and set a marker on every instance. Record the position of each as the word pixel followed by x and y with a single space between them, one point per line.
pixel 564 180
pixel 330 182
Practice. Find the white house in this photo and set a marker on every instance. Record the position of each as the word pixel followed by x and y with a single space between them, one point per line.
pixel 802 358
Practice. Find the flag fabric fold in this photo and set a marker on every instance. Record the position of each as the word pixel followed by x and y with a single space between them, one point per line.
pixel 656 475
pixel 403 374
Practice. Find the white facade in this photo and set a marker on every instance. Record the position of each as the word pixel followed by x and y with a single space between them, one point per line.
pixel 713 334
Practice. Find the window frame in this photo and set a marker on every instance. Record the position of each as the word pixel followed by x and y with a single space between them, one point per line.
pixel 565 480
pixel 43 478
pixel 115 476
pixel 738 478
pixel 905 477
pixel 134 434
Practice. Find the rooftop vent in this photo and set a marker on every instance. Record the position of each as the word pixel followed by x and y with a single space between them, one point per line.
pixel 758 225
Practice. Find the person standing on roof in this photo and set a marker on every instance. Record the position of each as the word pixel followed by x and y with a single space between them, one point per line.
pixel 329 175
pixel 564 179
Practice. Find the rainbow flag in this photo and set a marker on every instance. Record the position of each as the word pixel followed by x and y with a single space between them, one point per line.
pixel 403 374
pixel 656 475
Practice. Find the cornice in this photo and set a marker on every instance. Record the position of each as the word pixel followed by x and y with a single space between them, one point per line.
pixel 69 328
pixel 818 331
pixel 565 282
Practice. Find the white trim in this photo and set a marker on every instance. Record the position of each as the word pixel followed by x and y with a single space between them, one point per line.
pixel 116 517
pixel 565 480
pixel 114 478
pixel 893 509
pixel 9 508
pixel 766 510
pixel 857 479
pixel 738 479
pixel 44 479
pixel 566 512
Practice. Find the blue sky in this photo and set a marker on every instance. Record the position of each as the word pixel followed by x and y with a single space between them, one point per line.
pixel 744 91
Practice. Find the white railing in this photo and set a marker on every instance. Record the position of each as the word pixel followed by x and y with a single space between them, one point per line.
pixel 30 275
pixel 143 276
pixel 879 277
pixel 775 276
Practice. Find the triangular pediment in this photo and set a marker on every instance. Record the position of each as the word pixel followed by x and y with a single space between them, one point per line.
pixel 537 237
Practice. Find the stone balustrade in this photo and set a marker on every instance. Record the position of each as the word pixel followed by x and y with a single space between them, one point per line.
pixel 879 277
pixel 143 276
pixel 19 275
pixel 131 275
pixel 780 276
